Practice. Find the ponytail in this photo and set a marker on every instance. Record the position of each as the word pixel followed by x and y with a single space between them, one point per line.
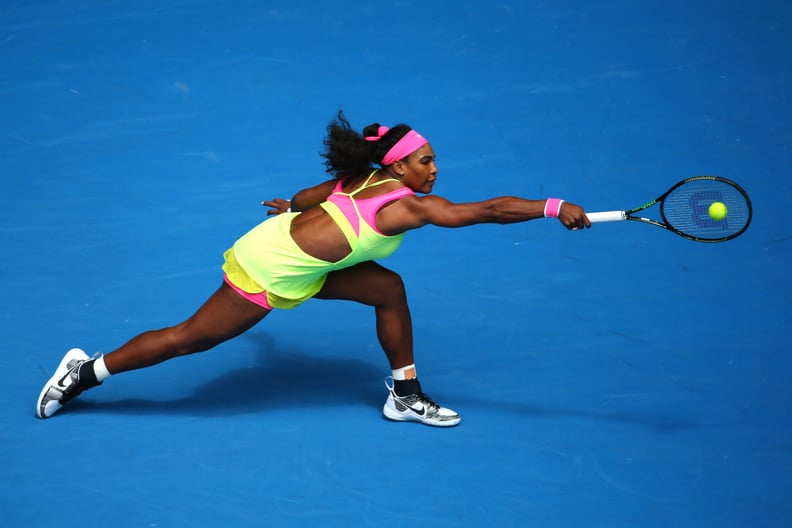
pixel 349 156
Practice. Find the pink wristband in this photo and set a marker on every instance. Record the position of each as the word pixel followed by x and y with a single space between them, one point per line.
pixel 552 207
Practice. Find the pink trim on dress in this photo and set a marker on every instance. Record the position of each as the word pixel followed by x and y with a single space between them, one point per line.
pixel 344 202
pixel 256 298
pixel 369 207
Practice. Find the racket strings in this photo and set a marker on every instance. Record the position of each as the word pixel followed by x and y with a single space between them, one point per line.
pixel 686 209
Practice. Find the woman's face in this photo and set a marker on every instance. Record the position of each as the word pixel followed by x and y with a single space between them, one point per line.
pixel 418 171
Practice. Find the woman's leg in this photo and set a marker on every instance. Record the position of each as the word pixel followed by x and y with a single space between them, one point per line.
pixel 225 315
pixel 373 285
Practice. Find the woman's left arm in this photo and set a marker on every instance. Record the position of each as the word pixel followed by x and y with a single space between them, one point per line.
pixel 277 206
pixel 304 199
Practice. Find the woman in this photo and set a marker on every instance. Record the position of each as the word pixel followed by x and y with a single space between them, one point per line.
pixel 323 243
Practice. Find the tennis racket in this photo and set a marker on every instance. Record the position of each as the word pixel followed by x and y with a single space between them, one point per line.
pixel 685 210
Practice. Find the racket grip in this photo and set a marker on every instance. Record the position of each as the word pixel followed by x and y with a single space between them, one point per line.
pixel 607 216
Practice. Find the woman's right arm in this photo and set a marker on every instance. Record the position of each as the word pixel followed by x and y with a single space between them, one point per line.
pixel 414 212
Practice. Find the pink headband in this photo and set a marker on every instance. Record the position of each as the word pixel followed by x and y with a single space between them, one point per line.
pixel 408 144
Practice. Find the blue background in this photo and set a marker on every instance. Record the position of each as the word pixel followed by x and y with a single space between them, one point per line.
pixel 620 376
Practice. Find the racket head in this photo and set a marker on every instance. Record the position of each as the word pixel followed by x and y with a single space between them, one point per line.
pixel 684 209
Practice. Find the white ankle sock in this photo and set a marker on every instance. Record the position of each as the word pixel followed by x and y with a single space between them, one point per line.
pixel 404 373
pixel 100 370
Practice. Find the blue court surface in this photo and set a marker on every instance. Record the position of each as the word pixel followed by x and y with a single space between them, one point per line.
pixel 621 376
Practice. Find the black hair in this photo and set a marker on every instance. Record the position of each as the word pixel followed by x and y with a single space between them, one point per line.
pixel 348 156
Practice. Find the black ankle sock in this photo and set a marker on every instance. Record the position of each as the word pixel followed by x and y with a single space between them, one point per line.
pixel 406 387
pixel 86 377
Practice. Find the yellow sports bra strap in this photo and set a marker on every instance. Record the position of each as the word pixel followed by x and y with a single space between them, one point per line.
pixel 367 186
pixel 342 222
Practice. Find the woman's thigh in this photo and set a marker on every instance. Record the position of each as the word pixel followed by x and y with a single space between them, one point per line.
pixel 367 283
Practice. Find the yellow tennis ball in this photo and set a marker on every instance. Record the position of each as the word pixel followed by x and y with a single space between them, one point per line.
pixel 718 211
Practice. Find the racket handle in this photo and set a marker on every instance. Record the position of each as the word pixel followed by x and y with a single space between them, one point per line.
pixel 607 216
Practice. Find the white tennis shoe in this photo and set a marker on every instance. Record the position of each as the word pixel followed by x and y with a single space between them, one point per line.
pixel 417 408
pixel 63 385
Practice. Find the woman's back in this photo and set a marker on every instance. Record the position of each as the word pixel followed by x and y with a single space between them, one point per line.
pixel 334 229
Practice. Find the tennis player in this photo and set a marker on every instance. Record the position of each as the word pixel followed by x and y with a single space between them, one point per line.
pixel 324 243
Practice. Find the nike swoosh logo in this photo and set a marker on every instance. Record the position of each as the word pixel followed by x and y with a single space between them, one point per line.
pixel 61 384
pixel 419 411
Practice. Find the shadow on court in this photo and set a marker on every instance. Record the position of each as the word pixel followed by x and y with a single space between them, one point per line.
pixel 278 380
pixel 286 379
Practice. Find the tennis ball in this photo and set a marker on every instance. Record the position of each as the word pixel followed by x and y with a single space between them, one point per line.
pixel 718 211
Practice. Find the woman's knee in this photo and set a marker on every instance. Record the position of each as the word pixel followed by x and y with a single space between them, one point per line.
pixel 391 288
pixel 184 340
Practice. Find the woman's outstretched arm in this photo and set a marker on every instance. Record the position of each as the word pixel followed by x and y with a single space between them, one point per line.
pixel 414 211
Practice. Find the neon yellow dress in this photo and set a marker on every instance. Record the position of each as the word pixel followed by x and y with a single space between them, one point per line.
pixel 266 258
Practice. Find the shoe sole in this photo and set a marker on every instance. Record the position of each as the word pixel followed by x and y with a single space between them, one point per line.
pixel 74 353
pixel 396 416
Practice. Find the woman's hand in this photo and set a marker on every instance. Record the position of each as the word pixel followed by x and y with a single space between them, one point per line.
pixel 573 217
pixel 278 206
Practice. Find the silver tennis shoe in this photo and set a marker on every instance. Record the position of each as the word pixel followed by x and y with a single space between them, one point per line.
pixel 417 408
